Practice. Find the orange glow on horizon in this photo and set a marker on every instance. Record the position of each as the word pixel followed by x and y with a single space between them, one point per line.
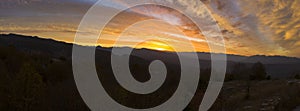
pixel 155 45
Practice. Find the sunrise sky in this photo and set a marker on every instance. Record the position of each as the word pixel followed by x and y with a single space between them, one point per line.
pixel 249 27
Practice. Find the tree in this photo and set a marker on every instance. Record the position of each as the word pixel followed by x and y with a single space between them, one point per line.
pixel 58 72
pixel 4 80
pixel 297 76
pixel 259 71
pixel 240 71
pixel 26 89
pixel 244 73
pixel 269 77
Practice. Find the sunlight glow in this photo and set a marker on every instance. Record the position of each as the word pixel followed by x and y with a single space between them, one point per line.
pixel 155 45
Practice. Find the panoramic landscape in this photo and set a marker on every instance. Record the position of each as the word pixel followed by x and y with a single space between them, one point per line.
pixel 261 47
pixel 252 82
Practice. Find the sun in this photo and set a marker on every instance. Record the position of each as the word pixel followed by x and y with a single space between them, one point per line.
pixel 155 45
pixel 160 49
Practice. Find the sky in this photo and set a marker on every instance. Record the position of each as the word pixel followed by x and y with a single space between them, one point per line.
pixel 249 27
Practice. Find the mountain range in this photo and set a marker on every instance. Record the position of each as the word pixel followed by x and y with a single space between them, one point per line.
pixel 276 66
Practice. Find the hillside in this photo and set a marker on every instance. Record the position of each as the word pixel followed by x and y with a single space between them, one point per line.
pixel 276 66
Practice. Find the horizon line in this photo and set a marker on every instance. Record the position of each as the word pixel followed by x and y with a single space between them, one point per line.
pixel 72 43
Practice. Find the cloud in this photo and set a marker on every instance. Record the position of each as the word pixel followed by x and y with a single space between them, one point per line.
pixel 250 27
pixel 264 26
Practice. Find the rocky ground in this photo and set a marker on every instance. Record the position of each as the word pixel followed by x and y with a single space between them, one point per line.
pixel 268 95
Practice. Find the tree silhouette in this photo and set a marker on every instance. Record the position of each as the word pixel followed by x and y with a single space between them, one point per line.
pixel 4 80
pixel 241 71
pixel 26 89
pixel 58 72
pixel 259 71
pixel 297 76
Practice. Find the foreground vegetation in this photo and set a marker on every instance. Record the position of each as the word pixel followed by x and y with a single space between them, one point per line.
pixel 32 81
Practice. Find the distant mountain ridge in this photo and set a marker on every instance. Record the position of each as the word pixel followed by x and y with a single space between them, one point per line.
pixel 34 44
pixel 276 65
pixel 37 43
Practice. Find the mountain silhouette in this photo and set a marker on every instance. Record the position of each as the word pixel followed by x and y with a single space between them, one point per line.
pixel 276 66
